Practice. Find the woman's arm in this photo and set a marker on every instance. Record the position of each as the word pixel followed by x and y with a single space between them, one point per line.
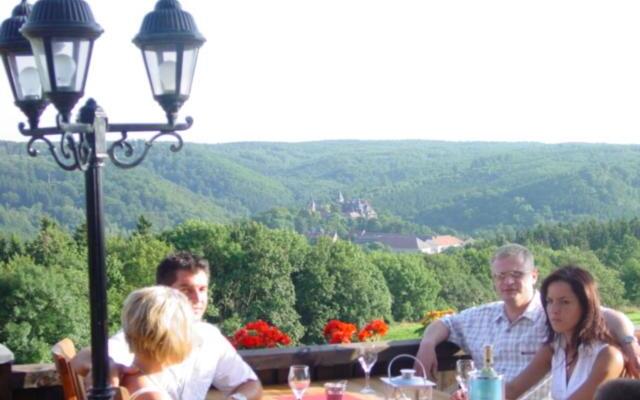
pixel 608 365
pixel 532 374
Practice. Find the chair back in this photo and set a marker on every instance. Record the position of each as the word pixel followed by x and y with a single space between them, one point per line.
pixel 72 384
pixel 121 393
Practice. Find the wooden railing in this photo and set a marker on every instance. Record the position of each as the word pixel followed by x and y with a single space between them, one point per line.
pixel 40 381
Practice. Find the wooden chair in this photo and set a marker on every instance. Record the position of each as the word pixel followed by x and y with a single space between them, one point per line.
pixel 121 393
pixel 72 384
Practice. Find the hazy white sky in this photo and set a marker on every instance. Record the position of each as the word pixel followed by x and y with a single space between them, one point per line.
pixel 298 70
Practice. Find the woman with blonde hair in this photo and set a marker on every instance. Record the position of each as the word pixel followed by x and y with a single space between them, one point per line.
pixel 157 323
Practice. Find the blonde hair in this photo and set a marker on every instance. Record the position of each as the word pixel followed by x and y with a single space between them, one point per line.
pixel 157 323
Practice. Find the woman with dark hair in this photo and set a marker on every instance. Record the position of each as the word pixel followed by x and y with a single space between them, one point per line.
pixel 578 351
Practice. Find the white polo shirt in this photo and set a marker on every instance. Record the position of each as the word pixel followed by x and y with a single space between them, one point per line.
pixel 213 361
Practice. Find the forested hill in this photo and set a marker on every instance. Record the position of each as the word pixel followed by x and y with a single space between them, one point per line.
pixel 464 186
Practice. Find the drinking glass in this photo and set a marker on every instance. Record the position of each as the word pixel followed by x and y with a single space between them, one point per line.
pixel 368 357
pixel 299 380
pixel 463 370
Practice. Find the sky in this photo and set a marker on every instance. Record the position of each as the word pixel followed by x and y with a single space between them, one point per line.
pixel 301 70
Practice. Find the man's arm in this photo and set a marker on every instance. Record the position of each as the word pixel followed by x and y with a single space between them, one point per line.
pixel 436 333
pixel 81 363
pixel 623 331
pixel 249 390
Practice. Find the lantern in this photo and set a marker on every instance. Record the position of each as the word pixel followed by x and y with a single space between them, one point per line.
pixel 20 65
pixel 407 386
pixel 61 33
pixel 169 41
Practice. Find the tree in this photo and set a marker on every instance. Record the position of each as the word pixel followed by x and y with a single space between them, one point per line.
pixel 252 268
pixel 41 305
pixel 143 226
pixel 339 282
pixel 131 264
pixel 463 284
pixel 55 246
pixel 196 236
pixel 630 276
pixel 414 288
pixel 10 248
pixel 610 287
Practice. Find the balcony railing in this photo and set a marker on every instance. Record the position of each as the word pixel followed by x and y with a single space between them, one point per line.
pixel 40 381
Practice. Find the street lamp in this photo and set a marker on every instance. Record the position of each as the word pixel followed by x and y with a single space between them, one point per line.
pixel 53 66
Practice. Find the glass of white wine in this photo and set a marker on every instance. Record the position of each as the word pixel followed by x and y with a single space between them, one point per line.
pixel 299 380
pixel 367 358
pixel 463 371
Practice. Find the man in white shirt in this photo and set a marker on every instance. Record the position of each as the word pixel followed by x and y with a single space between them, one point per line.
pixel 212 362
pixel 515 326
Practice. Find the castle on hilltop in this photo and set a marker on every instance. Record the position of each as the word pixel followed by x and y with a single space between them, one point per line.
pixel 352 209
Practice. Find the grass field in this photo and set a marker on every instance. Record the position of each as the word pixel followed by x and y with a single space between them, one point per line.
pixel 633 314
pixel 403 330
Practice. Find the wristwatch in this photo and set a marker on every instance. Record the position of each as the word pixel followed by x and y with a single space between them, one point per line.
pixel 628 339
pixel 238 396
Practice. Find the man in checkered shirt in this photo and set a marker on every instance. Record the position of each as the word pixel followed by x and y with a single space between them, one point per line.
pixel 516 325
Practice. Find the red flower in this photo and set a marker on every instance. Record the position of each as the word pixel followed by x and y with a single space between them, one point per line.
pixel 336 331
pixel 374 329
pixel 259 334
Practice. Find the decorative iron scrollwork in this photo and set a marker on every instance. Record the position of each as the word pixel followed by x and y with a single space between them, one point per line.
pixel 76 148
pixel 124 148
pixel 70 155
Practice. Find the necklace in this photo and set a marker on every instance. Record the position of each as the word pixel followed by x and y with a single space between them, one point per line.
pixel 570 362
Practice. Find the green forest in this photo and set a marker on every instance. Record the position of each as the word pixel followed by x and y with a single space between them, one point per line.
pixel 278 276
pixel 416 186
pixel 244 207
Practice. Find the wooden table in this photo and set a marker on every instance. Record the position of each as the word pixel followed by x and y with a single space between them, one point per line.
pixel 353 388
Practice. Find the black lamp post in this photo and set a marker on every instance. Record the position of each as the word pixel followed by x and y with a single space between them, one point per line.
pixel 61 35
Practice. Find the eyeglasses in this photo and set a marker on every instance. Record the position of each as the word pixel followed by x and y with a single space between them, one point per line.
pixel 515 275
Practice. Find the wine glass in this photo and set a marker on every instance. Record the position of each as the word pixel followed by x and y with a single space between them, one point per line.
pixel 463 371
pixel 367 358
pixel 299 380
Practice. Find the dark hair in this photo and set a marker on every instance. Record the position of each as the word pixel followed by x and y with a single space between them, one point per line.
pixel 181 261
pixel 591 325
pixel 619 389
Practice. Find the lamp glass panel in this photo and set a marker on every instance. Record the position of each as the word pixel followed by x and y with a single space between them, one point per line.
pixel 37 45
pixel 24 74
pixel 70 60
pixel 189 59
pixel 161 66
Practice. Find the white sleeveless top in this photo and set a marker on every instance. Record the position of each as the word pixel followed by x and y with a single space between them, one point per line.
pixel 587 354
pixel 149 389
pixel 157 383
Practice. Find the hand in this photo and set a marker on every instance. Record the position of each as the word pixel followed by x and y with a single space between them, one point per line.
pixel 459 395
pixel 631 353
pixel 427 355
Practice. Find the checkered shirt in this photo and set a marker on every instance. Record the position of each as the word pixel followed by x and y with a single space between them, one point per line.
pixel 514 343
